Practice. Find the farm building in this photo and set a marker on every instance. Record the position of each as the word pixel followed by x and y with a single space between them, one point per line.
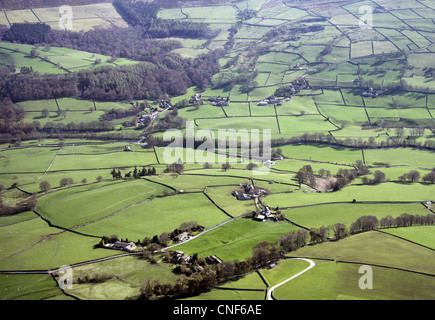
pixel 180 257
pixel 212 260
pixel 241 196
pixel 182 237
pixel 130 246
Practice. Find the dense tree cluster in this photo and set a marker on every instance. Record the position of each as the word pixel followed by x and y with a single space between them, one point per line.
pixel 33 86
pixel 116 42
pixel 407 220
pixel 174 168
pixel 165 75
pixel 30 33
pixel 121 113
pixel 136 173
pixel 10 111
pixel 29 204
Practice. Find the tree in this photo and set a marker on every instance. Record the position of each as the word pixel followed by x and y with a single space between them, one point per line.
pixel 251 166
pixel 340 231
pixel 414 175
pixel 44 186
pixel 379 177
pixel 207 166
pixel 430 177
pixel 34 53
pixel 226 166
pixel 45 113
pixel 66 182
pixel 99 178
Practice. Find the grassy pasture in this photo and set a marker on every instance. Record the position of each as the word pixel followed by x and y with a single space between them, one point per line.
pixel 157 216
pixel 90 206
pixel 54 179
pixel 25 234
pixel 223 197
pixel 339 281
pixel 401 156
pixel 190 181
pixel 388 191
pixel 85 17
pixel 16 218
pixel 129 274
pixel 238 123
pixel 283 270
pixel 29 287
pixel 236 239
pixel 250 281
pixel 55 59
pixel 35 159
pixel 20 59
pixel 376 248
pixel 298 125
pixel 97 203
pixel 65 248
pixel 329 214
pixel 420 234
pixel 344 114
pixel 103 161
pixel 322 153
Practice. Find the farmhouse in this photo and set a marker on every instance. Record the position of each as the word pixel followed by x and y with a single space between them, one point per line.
pixel 212 260
pixel 195 98
pixel 124 246
pixel 242 196
pixel 264 215
pixel 180 257
pixel 182 237
pixel 371 93
pixel 260 217
pixel 221 102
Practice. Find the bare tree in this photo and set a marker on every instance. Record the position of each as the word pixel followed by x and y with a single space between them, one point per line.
pixel 44 186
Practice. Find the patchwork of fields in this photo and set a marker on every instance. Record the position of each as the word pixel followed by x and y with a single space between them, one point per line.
pixel 331 124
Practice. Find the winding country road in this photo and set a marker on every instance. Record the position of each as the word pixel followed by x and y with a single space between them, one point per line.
pixel 270 291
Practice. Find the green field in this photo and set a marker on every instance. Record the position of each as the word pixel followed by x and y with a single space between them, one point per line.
pixel 341 98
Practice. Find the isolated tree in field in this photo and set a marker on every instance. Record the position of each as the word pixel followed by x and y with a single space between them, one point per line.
pixel 251 166
pixel 379 177
pixel 99 178
pixel 45 113
pixel 44 186
pixel 226 166
pixel 34 53
pixel 207 166
pixel 414 175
